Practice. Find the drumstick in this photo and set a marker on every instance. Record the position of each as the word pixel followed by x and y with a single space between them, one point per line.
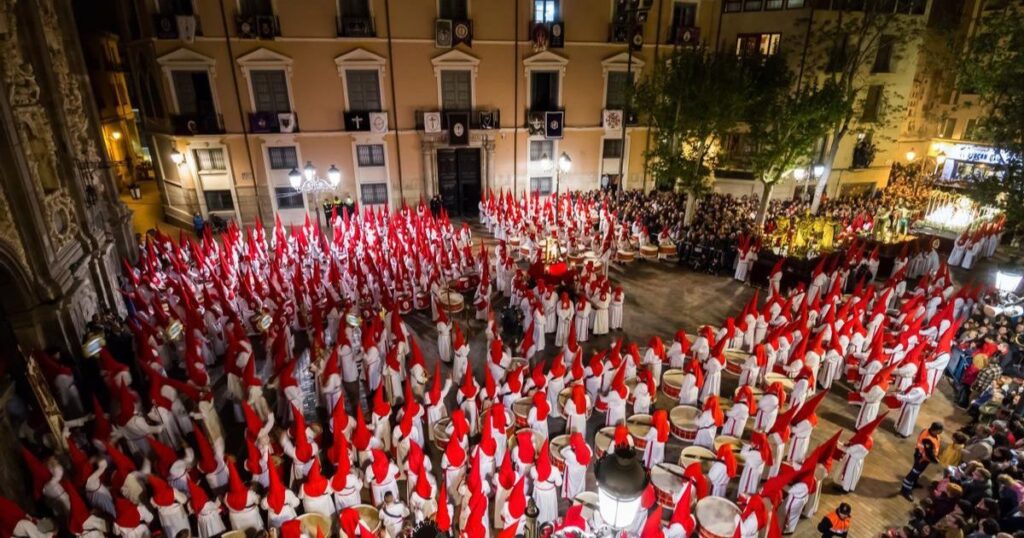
pixel 588 505
pixel 672 472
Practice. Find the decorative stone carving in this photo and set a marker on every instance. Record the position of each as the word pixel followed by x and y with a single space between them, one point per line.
pixel 9 232
pixel 60 210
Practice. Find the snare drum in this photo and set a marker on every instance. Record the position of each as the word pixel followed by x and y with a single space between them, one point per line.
pixel 717 517
pixel 513 242
pixel 576 258
pixel 631 384
pixel 668 249
pixel 625 256
pixel 370 517
pixel 734 359
pixel 404 303
pixel 589 501
pixel 667 481
pixel 700 454
pixel 556 446
pixel 564 396
pixel 521 410
pixel 682 420
pixel 451 301
pixel 538 441
pixel 672 383
pixel 639 425
pixel 441 434
pixel 603 440
pixel 312 522
pixel 649 252
pixel 734 442
pixel 421 301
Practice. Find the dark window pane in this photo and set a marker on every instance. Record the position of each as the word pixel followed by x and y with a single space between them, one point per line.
pixel 611 148
pixel 454 9
pixel 456 89
pixel 355 8
pixel 219 200
pixel 872 103
pixel 288 198
pixel 374 193
pixel 270 90
pixel 540 148
pixel 544 90
pixel 541 185
pixel 208 160
pixel 363 88
pixel 618 83
pixel 370 154
pixel 283 158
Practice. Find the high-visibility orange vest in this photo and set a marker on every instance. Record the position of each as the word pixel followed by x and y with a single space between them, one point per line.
pixel 839 525
pixel 926 435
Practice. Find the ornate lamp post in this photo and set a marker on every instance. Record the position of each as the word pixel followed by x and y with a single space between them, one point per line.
pixel 308 182
pixel 621 480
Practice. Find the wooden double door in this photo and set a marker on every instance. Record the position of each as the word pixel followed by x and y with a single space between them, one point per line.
pixel 458 179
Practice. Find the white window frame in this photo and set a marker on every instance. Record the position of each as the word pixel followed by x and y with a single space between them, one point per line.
pixel 362 59
pixel 533 168
pixel 277 142
pixel 184 59
pixel 359 179
pixel 558 11
pixel 456 60
pixel 546 61
pixel 197 176
pixel 369 6
pixel 266 60
pixel 619 63
pixel 624 158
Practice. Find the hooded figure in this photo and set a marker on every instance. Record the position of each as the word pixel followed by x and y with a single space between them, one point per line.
pixel 722 470
pixel 170 506
pixel 382 475
pixel 280 502
pixel 242 502
pixel 546 481
pixel 207 511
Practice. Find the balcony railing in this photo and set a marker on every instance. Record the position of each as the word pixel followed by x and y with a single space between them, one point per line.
pixel 165 25
pixel 479 119
pixel 255 26
pixel 270 122
pixel 547 34
pixel 356 27
pixel 197 124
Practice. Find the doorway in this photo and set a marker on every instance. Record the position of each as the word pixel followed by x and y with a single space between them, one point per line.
pixel 458 179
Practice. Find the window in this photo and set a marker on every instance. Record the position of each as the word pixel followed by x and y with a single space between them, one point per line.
pixel 270 90
pixel 754 44
pixel 545 10
pixel 544 90
pixel 288 198
pixel 370 154
pixel 256 7
pixel 175 7
pixel 684 15
pixel 373 193
pixel 453 9
pixel 837 55
pixel 192 89
pixel 732 6
pixel 795 4
pixel 354 8
pixel 219 200
pixel 773 4
pixel 948 126
pixel 752 5
pixel 456 89
pixel 872 103
pixel 540 148
pixel 210 160
pixel 540 185
pixel 283 158
pixel 363 89
pixel 616 90
pixel 969 129
pixel 611 148
pixel 883 57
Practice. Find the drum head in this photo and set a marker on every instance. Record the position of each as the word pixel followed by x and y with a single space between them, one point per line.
pixel 717 516
pixel 673 377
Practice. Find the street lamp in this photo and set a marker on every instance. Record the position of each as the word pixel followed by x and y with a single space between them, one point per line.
pixel 1007 280
pixel 307 181
pixel 911 155
pixel 621 481
pixel 177 157
pixel 800 174
pixel 818 170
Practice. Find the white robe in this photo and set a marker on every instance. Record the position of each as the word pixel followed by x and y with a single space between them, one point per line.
pixel 209 522
pixel 248 517
pixel 800 439
pixel 794 505
pixel 615 313
pixel 736 420
pixel 706 431
pixel 173 518
pixel 601 315
pixel 575 480
pixel 911 406
pixel 850 467
pixel 564 317
pixel 753 468
pixel 767 411
pixel 545 494
pixel 869 409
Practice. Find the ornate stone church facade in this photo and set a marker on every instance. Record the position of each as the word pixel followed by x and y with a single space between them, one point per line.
pixel 63 229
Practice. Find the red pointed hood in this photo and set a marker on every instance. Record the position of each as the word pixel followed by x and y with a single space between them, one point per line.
pixel 127 514
pixel 443 518
pixel 759 441
pixel 506 475
pixel 238 494
pixel 544 462
pixel 517 499
pixel 163 495
pixel 469 387
pixel 207 461
pixel 652 526
pixel 165 456
pixel 197 496
pixel 863 435
pixel 79 513
pixel 423 487
pixel 807 410
pixel 315 484
pixel 711 404
pixel 726 455
pixel 276 491
pixel 455 453
pixel 695 474
pixel 381 465
pixel 40 472
pixel 381 407
pixel 683 513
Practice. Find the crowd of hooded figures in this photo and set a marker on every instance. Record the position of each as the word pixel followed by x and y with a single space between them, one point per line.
pixel 417 441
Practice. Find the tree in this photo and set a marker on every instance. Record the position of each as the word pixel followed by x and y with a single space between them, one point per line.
pixel 993 68
pixel 787 124
pixel 692 98
pixel 852 38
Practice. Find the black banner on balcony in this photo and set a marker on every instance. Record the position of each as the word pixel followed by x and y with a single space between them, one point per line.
pixel 553 124
pixel 458 128
pixel 557 37
pixel 357 121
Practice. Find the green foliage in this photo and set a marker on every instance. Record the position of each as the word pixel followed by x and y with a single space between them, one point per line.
pixel 692 98
pixel 993 68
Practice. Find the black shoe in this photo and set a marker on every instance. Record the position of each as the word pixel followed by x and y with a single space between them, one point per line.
pixel 906 495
